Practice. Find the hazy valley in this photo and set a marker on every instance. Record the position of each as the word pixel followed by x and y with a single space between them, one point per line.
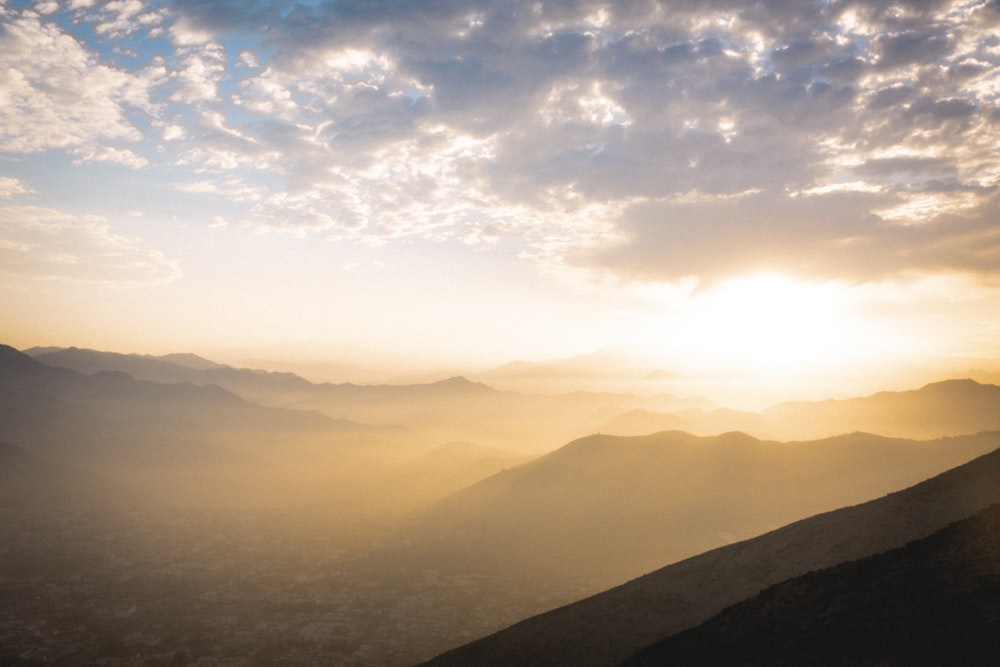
pixel 171 509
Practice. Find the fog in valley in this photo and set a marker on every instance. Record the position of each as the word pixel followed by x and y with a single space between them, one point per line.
pixel 171 509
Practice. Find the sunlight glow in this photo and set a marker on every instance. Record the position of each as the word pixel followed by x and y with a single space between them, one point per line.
pixel 769 323
pixel 768 326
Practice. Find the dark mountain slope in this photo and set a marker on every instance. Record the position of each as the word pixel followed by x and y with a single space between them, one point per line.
pixel 935 601
pixel 608 628
pixel 604 509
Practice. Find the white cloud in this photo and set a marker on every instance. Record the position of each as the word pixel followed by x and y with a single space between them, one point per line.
pixel 47 7
pixel 44 243
pixel 199 74
pixel 12 186
pixel 233 189
pixel 173 133
pixel 120 18
pixel 54 94
pixel 184 33
pixel 122 156
pixel 248 59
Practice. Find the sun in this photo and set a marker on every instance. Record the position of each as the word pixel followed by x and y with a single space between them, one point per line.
pixel 768 326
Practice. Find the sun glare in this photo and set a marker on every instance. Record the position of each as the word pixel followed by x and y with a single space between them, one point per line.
pixel 769 325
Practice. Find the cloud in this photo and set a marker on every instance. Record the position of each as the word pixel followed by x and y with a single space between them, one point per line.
pixel 123 156
pixel 633 138
pixel 47 7
pixel 122 18
pixel 12 186
pixel 43 243
pixel 56 95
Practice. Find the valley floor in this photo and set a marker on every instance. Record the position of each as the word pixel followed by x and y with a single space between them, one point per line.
pixel 92 589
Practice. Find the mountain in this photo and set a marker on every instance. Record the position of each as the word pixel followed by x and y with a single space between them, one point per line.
pixel 951 407
pixel 931 602
pixel 458 408
pixel 173 368
pixel 110 414
pixel 454 409
pixel 941 408
pixel 699 422
pixel 609 627
pixel 604 508
pixel 445 469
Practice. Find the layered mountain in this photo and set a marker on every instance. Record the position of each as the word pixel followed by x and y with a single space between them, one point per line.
pixel 609 627
pixel 696 421
pixel 941 408
pixel 951 407
pixel 110 418
pixel 931 602
pixel 250 384
pixel 604 508
pixel 33 390
pixel 455 409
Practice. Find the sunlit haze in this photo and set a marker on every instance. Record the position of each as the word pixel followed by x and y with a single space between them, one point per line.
pixel 749 201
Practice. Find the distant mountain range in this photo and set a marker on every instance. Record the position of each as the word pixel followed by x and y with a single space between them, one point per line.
pixel 109 413
pixel 455 409
pixel 458 409
pixel 607 508
pixel 610 627
pixel 938 409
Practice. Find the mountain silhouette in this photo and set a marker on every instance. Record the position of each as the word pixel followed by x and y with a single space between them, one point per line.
pixel 454 409
pixel 933 601
pixel 609 627
pixel 173 368
pixel 607 508
pixel 698 421
pixel 950 407
pixel 61 412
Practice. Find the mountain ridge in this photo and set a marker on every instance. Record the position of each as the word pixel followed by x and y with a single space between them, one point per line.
pixel 606 508
pixel 609 627
pixel 936 604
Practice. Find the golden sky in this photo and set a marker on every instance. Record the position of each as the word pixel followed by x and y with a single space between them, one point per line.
pixel 772 189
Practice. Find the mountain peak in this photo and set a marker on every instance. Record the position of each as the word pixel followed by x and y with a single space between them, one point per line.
pixel 460 383
pixel 14 361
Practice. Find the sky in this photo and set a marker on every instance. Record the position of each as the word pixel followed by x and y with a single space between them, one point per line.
pixel 785 188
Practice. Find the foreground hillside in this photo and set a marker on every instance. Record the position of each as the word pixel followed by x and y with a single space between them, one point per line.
pixel 931 602
pixel 608 628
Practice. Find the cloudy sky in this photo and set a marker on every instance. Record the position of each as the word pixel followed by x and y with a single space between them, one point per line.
pixel 732 184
